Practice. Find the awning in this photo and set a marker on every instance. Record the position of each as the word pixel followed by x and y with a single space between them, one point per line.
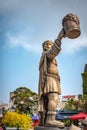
pixel 78 116
pixel 59 117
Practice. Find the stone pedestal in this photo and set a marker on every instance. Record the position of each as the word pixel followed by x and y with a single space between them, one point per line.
pixel 49 128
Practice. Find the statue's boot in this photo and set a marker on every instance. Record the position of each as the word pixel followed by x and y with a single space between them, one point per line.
pixel 50 121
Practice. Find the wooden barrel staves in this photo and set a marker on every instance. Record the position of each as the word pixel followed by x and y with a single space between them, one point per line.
pixel 71 26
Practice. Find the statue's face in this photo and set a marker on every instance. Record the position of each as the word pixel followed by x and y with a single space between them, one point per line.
pixel 47 46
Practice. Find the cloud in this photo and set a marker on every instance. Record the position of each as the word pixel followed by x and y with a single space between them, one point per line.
pixel 40 22
pixel 69 46
pixel 21 40
pixel 72 45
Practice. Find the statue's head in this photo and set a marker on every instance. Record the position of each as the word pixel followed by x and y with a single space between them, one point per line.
pixel 47 45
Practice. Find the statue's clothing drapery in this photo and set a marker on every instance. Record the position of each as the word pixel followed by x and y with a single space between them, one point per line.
pixel 49 79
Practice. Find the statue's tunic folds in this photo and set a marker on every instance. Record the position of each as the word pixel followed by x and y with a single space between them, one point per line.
pixel 49 79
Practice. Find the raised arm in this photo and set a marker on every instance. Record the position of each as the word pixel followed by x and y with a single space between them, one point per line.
pixel 54 51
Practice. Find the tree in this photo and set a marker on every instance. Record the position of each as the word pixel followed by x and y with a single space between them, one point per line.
pixel 24 99
pixel 71 105
pixel 84 85
pixel 80 104
pixel 85 102
pixel 84 77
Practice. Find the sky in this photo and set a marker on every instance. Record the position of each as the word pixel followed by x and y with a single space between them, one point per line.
pixel 24 26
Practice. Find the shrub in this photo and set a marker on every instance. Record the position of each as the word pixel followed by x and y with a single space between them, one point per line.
pixel 13 119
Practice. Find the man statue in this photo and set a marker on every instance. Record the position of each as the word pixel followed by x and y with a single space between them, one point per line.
pixel 49 82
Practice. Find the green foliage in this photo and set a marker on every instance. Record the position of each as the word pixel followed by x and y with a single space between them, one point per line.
pixel 24 98
pixel 80 104
pixel 67 122
pixel 13 119
pixel 85 102
pixel 84 76
pixel 71 105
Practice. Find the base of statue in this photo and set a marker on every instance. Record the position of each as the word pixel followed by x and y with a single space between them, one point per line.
pixel 49 128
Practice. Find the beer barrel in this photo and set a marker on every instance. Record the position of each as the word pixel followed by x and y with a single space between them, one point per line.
pixel 71 26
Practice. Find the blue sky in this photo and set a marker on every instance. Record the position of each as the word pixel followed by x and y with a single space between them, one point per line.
pixel 24 25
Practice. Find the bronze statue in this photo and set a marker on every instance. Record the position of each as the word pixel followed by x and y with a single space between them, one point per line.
pixel 49 79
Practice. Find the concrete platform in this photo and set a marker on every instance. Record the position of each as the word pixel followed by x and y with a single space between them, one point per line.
pixel 50 128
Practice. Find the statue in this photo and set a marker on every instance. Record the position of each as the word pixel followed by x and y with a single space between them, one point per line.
pixel 49 79
pixel 49 83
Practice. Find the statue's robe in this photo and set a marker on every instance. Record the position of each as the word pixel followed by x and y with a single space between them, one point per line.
pixel 49 79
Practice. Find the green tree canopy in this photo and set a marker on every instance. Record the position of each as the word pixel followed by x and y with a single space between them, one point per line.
pixel 24 98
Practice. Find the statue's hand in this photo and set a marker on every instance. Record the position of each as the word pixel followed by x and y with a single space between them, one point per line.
pixel 61 34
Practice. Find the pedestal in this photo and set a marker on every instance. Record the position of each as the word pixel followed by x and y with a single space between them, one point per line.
pixel 49 128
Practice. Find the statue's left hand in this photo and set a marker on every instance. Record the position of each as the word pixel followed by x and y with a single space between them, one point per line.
pixel 61 34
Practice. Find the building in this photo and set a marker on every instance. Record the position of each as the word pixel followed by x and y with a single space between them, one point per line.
pixel 67 97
